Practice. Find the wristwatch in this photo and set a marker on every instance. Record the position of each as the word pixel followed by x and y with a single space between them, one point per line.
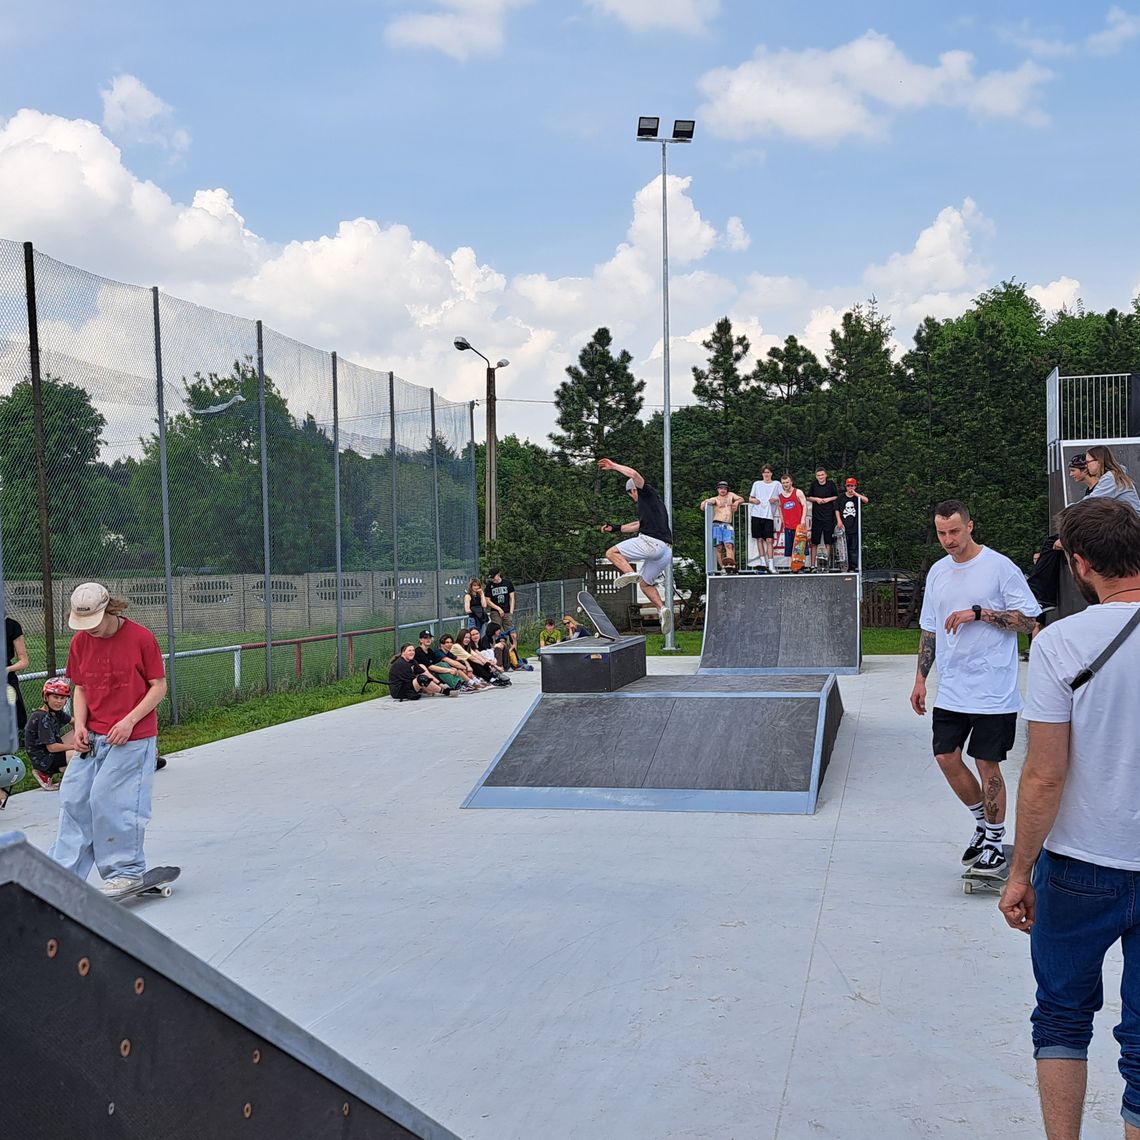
pixel 977 612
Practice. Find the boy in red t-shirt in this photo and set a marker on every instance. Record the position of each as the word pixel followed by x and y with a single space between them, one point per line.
pixel 118 680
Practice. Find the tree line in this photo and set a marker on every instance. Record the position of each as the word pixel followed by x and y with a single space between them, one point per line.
pixel 107 517
pixel 958 414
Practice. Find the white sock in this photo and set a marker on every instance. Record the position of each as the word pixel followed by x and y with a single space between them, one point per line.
pixel 995 834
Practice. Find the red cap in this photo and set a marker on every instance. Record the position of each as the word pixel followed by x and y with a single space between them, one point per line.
pixel 852 483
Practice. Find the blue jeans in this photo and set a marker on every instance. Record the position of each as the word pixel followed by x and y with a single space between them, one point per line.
pixel 1082 909
pixel 104 807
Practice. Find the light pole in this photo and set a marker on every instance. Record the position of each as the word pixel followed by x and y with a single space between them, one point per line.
pixel 491 511
pixel 647 128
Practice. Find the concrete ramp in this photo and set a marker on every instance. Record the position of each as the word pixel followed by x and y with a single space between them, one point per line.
pixel 782 623
pixel 671 743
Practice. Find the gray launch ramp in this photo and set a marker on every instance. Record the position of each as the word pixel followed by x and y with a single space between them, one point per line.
pixel 671 743
pixel 782 624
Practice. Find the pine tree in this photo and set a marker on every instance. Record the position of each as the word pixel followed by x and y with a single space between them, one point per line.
pixel 719 385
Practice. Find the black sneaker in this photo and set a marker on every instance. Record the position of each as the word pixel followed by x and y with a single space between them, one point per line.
pixel 159 763
pixel 974 852
pixel 992 863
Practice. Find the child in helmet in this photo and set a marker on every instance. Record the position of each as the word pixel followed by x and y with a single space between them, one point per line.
pixel 45 732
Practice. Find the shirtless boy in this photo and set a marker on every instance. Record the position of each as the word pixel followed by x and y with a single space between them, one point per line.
pixel 724 504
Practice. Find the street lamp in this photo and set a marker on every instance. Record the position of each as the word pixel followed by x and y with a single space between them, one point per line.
pixel 491 511
pixel 647 129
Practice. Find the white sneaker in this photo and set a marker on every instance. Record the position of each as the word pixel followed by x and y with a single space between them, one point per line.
pixel 623 580
pixel 119 885
pixel 666 617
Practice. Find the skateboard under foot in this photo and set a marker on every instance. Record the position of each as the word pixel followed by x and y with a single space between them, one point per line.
pixel 973 882
pixel 155 883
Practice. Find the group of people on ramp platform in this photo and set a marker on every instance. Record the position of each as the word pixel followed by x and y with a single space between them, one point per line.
pixel 813 530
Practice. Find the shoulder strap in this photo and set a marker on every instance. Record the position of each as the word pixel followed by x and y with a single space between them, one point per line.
pixel 1087 674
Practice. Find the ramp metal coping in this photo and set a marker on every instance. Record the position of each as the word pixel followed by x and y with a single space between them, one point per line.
pixel 694 695
pixel 23 865
pixel 803 802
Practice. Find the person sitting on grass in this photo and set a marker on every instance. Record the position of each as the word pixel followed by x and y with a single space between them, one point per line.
pixel 408 680
pixel 549 634
pixel 572 628
pixel 466 649
pixel 44 735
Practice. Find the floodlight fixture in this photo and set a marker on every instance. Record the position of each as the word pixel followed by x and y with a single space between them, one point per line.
pixel 491 496
pixel 683 130
pixel 461 343
pixel 647 127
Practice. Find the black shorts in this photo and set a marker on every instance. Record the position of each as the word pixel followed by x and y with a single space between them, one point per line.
pixel 763 528
pixel 822 528
pixel 991 735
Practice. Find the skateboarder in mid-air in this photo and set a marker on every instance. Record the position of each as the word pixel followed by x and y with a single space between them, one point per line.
pixel 651 539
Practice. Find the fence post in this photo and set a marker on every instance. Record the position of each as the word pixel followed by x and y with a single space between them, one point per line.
pixel 337 527
pixel 474 493
pixel 265 509
pixel 164 485
pixel 435 507
pixel 561 596
pixel 41 469
pixel 395 516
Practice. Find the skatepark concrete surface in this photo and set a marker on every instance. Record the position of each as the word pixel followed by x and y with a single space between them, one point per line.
pixel 610 974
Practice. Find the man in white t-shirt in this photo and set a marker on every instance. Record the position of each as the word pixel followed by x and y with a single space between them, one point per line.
pixel 765 499
pixel 975 604
pixel 1075 871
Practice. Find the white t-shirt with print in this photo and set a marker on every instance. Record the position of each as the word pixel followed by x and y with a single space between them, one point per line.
pixel 977 665
pixel 1099 817
pixel 768 494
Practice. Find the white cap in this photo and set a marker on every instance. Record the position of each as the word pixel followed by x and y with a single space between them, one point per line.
pixel 87 605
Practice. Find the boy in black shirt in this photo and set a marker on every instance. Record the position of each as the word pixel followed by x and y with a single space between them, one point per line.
pixel 823 495
pixel 850 514
pixel 44 732
pixel 651 539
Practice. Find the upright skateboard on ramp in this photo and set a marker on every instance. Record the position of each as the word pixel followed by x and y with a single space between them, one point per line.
pixel 598 618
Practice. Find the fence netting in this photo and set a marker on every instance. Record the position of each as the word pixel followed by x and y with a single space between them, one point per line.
pixel 237 487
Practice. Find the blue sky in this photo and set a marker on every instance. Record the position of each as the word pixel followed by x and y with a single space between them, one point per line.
pixel 381 177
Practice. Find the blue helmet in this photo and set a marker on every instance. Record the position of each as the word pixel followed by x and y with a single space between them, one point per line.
pixel 12 771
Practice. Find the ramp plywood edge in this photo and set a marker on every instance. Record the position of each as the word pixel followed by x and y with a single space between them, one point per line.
pixel 671 743
pixel 134 1036
pixel 787 624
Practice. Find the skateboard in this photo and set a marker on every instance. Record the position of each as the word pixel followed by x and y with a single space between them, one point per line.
pixel 598 619
pixel 799 549
pixel 840 550
pixel 729 565
pixel 155 882
pixel 986 884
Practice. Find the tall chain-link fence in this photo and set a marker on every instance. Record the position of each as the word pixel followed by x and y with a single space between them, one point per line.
pixel 239 489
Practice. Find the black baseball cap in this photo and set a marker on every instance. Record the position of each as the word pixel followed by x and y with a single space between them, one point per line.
pixel 425 633
pixel 723 483
pixel 1079 461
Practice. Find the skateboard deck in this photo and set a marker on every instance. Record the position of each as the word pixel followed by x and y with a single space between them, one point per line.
pixel 840 551
pixel 155 882
pixel 986 884
pixel 598 618
pixel 799 549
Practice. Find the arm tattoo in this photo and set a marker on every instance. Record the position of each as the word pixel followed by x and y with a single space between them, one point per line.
pixel 926 653
pixel 1010 619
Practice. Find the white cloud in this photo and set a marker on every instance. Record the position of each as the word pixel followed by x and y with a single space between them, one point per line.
pixel 461 29
pixel 386 299
pixel 943 256
pixel 736 237
pixel 644 15
pixel 823 96
pixel 135 114
pixel 1064 293
pixel 1120 27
